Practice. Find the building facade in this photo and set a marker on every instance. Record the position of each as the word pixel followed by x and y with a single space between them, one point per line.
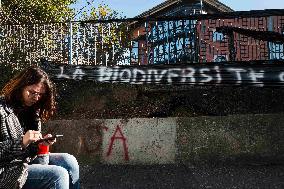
pixel 184 31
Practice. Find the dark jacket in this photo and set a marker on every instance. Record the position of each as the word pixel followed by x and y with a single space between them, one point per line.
pixel 13 158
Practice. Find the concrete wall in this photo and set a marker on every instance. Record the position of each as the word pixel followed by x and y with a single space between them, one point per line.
pixel 193 140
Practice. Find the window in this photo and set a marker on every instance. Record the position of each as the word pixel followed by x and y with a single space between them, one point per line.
pixel 217 36
pixel 220 58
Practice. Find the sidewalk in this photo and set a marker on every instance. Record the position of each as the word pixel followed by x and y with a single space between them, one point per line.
pixel 179 176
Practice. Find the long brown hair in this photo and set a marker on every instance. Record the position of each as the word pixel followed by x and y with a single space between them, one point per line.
pixel 32 75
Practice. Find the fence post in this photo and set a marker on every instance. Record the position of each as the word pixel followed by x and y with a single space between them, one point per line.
pixel 70 43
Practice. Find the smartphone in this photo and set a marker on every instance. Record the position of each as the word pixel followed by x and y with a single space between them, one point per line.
pixel 49 138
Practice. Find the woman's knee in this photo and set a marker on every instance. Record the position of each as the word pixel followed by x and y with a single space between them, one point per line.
pixel 60 177
pixel 69 162
pixel 63 158
pixel 70 158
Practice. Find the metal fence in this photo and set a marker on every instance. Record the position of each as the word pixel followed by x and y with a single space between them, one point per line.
pixel 141 41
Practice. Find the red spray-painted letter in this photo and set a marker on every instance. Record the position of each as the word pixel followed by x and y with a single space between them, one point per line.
pixel 118 135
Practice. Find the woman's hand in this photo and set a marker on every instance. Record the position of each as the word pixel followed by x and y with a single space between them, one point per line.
pixel 31 136
pixel 49 142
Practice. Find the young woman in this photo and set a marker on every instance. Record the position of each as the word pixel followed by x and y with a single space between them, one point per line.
pixel 27 100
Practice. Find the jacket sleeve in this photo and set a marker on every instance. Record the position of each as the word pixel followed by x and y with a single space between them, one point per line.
pixel 11 148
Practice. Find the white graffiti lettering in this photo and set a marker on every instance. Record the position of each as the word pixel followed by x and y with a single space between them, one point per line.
pixel 207 77
pixel 141 73
pixel 105 74
pixel 115 74
pixel 78 74
pixel 218 75
pixel 159 77
pixel 255 76
pixel 281 76
pixel 125 75
pixel 173 73
pixel 62 75
pixel 188 73
pixel 238 72
pixel 184 75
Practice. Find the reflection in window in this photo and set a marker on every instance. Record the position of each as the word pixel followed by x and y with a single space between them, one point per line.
pixel 134 52
pixel 220 58
pixel 217 36
pixel 276 51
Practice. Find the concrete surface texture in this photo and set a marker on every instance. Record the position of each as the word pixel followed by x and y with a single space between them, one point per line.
pixel 195 140
pixel 237 151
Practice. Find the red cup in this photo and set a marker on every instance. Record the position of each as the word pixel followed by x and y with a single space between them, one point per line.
pixel 43 149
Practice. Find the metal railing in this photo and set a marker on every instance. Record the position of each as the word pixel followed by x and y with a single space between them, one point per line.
pixel 141 41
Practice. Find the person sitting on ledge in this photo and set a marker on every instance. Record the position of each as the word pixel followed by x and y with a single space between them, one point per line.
pixel 27 100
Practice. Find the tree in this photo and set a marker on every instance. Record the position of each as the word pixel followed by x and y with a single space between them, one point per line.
pixel 28 29
pixel 41 29
pixel 32 11
pixel 112 34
